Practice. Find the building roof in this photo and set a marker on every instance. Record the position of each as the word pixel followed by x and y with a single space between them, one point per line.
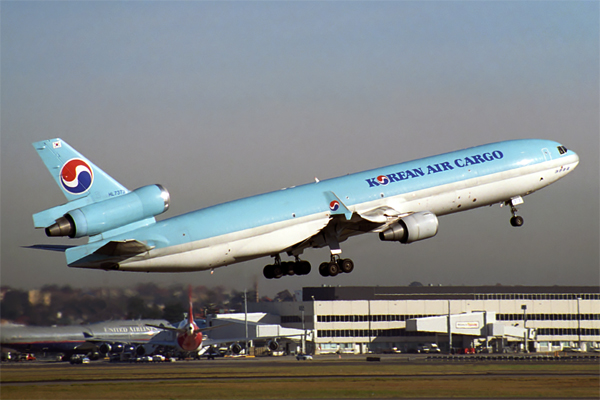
pixel 436 292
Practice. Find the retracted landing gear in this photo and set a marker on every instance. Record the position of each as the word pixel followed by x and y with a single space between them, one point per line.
pixel 335 266
pixel 279 269
pixel 516 220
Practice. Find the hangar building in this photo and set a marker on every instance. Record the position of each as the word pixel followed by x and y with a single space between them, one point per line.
pixel 497 318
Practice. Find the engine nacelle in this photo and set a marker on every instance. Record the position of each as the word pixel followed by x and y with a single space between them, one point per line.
pixel 106 348
pixel 140 351
pixel 235 348
pixel 273 345
pixel 93 219
pixel 418 226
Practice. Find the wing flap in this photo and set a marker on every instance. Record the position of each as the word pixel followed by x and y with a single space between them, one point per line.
pixel 128 247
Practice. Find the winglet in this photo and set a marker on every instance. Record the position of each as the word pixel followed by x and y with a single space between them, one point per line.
pixel 336 206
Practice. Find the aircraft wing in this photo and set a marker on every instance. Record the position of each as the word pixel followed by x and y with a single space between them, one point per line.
pixel 166 328
pixel 345 223
pixel 181 330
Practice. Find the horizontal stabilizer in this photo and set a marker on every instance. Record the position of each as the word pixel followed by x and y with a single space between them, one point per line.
pixel 51 247
pixel 94 254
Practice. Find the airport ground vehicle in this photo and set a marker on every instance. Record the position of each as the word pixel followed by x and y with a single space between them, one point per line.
pixel 428 348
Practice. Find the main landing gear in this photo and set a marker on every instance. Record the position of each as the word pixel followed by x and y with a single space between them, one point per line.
pixel 279 269
pixel 516 220
pixel 335 266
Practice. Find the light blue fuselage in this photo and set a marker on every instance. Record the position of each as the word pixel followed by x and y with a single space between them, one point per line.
pixel 226 233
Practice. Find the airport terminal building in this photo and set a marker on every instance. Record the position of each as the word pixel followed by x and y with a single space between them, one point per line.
pixel 495 318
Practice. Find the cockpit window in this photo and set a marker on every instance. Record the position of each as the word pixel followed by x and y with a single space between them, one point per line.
pixel 562 149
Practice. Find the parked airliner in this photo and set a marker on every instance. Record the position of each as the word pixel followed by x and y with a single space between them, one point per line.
pixel 188 337
pixel 99 337
pixel 188 334
pixel 400 203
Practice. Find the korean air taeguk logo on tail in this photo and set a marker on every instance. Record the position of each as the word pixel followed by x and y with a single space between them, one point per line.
pixel 76 176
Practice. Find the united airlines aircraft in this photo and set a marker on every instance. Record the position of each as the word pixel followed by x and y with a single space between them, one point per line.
pixel 400 203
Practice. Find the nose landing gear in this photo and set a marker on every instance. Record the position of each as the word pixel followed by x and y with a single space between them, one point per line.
pixel 516 220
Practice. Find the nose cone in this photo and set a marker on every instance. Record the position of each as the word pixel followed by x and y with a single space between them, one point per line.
pixel 575 160
pixel 572 160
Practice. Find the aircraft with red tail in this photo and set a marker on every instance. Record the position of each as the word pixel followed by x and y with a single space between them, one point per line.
pixel 189 335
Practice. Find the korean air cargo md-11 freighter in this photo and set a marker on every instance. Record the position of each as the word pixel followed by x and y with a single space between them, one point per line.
pixel 400 203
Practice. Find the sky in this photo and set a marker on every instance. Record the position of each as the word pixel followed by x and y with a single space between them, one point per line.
pixel 222 100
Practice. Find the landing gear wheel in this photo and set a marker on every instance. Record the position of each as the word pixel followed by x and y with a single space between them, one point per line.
pixel 302 268
pixel 517 221
pixel 333 269
pixel 268 272
pixel 277 271
pixel 346 265
pixel 323 269
pixel 289 268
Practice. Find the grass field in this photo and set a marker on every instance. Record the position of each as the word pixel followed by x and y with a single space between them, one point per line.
pixel 293 380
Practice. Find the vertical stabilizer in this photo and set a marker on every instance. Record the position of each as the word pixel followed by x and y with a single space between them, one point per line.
pixel 191 313
pixel 79 179
pixel 74 174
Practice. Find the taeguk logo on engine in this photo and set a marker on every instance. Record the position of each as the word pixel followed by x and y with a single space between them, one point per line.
pixel 76 176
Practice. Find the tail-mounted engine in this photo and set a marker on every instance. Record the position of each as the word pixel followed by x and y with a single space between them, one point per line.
pixel 418 226
pixel 96 218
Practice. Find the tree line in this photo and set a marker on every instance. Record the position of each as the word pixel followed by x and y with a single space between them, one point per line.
pixel 65 305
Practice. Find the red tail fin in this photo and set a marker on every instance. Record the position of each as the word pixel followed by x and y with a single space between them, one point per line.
pixel 191 313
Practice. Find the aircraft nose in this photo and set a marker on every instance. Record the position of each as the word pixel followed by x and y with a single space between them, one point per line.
pixel 575 159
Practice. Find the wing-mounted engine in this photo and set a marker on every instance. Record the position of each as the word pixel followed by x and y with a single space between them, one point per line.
pixel 236 348
pixel 93 219
pixel 107 348
pixel 273 345
pixel 417 226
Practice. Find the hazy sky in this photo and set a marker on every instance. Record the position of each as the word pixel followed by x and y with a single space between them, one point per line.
pixel 222 100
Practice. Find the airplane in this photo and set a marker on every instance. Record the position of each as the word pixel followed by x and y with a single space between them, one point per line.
pixel 100 337
pixel 187 337
pixel 188 334
pixel 400 203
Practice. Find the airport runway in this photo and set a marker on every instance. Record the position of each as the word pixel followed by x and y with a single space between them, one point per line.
pixel 246 366
pixel 330 375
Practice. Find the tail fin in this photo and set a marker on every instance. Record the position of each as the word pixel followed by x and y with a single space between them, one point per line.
pixel 74 174
pixel 191 313
pixel 80 180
